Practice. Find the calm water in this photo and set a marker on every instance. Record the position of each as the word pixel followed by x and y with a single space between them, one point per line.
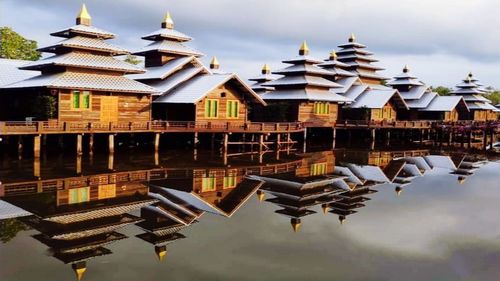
pixel 437 228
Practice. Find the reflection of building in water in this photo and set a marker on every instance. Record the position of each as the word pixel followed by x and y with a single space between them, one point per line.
pixel 78 221
pixel 185 197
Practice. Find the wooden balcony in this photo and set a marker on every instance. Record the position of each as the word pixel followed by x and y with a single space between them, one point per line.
pixel 363 124
pixel 54 127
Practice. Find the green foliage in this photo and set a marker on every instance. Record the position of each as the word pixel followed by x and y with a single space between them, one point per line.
pixel 442 91
pixel 45 107
pixel 132 59
pixel 14 46
pixel 494 97
pixel 9 228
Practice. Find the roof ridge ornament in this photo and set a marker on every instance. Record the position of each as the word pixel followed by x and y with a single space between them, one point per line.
pixel 214 63
pixel 167 22
pixel 83 16
pixel 333 55
pixel 406 69
pixel 304 49
pixel 352 38
pixel 266 69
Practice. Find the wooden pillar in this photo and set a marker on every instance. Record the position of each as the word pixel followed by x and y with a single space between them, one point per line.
pixel 485 139
pixel 79 147
pixel 79 165
pixel 334 137
pixel 261 147
pixel 469 138
pixel 421 137
pixel 492 137
pixel 289 143
pixel 111 161
pixel 225 147
pixel 20 146
pixel 157 142
pixel 278 145
pixel 388 137
pixel 450 137
pixel 91 144
pixel 36 167
pixel 157 158
pixel 195 140
pixel 36 146
pixel 111 143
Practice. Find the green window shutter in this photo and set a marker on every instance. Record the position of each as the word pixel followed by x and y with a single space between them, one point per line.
pixel 215 109
pixel 236 109
pixel 86 99
pixel 76 99
pixel 229 109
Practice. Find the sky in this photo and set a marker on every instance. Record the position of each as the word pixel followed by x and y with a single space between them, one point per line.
pixel 441 41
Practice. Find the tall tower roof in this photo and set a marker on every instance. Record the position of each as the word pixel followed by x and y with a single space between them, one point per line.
pixel 83 16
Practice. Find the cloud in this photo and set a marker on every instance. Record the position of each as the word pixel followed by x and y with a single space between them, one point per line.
pixel 445 39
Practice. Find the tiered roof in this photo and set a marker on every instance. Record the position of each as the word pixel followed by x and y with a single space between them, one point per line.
pixel 265 77
pixel 420 97
pixel 84 48
pixel 303 80
pixel 176 71
pixel 359 60
pixel 471 90
pixel 337 67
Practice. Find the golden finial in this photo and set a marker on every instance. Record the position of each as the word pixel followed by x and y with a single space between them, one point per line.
pixel 304 49
pixel 83 16
pixel 214 63
pixel 266 69
pixel 342 219
pixel 471 75
pixel 352 38
pixel 325 208
pixel 167 22
pixel 398 190
pixel 161 252
pixel 461 180
pixel 333 55
pixel 261 195
pixel 79 269
pixel 406 69
pixel 296 223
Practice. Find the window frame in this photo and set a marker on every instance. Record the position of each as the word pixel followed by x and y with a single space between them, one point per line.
pixel 208 106
pixel 81 99
pixel 228 107
pixel 321 108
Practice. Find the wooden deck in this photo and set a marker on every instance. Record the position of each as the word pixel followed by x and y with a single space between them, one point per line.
pixel 45 127
pixel 49 185
pixel 362 124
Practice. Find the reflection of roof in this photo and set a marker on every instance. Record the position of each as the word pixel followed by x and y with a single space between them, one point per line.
pixel 159 240
pixel 9 211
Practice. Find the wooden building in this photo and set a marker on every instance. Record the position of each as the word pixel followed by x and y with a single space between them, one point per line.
pixel 80 82
pixel 302 93
pixel 481 108
pixel 424 104
pixel 187 90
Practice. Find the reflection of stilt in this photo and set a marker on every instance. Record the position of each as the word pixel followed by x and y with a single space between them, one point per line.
pixel 195 154
pixel 36 146
pixel 79 165
pixel 157 142
pixel 79 148
pixel 261 147
pixel 304 149
pixel 111 161
pixel 111 143
pixel 278 146
pixel 20 147
pixel 36 168
pixel 334 137
pixel 372 138
pixel 224 147
pixel 91 144
pixel 195 140
pixel 157 158
pixel 212 142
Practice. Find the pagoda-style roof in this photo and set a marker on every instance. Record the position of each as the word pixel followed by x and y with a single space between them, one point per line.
pixel 80 245
pixel 377 98
pixel 302 81
pixel 472 91
pixel 303 69
pixel 169 47
pixel 160 240
pixel 405 79
pixel 84 30
pixel 85 81
pixel 169 68
pixel 84 43
pixel 165 33
pixel 446 103
pixel 85 60
pixel 338 68
pixel 306 94
pixel 10 72
pixel 423 101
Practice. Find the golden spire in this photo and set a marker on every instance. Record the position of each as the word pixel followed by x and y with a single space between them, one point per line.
pixel 161 252
pixel 83 16
pixel 471 75
pixel 325 208
pixel 261 195
pixel 352 38
pixel 304 49
pixel 342 219
pixel 296 223
pixel 333 55
pixel 79 269
pixel 398 190
pixel 406 69
pixel 167 22
pixel 266 69
pixel 214 63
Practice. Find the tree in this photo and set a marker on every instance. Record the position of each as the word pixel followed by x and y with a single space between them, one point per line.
pixel 9 229
pixel 494 97
pixel 14 46
pixel 442 91
pixel 132 59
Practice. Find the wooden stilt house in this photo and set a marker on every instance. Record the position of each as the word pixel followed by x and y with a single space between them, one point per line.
pixel 82 81
pixel 187 90
pixel 424 104
pixel 303 94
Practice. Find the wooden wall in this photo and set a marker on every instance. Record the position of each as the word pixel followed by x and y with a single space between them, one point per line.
pixel 121 190
pixel 316 158
pixel 131 107
pixel 306 114
pixel 223 94
pixel 386 113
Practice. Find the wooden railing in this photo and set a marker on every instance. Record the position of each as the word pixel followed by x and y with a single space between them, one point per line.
pixel 384 124
pixel 37 186
pixel 54 127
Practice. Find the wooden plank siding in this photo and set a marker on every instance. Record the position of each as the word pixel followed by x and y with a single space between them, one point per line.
pixel 131 107
pixel 306 114
pixel 222 94
pixel 387 113
pixel 326 158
